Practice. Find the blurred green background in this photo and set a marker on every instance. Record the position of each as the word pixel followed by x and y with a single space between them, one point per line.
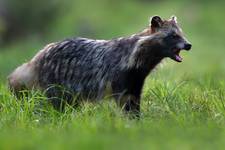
pixel 183 103
pixel 26 26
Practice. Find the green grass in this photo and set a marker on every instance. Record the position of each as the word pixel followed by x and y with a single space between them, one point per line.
pixel 183 104
pixel 174 116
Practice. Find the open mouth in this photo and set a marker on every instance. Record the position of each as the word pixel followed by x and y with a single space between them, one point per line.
pixel 176 55
pixel 175 52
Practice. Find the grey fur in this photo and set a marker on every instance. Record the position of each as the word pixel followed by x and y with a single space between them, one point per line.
pixel 84 65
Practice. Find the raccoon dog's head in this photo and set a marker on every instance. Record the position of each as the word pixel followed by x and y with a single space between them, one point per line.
pixel 173 39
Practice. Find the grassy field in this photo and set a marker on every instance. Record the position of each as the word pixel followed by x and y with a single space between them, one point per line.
pixel 183 104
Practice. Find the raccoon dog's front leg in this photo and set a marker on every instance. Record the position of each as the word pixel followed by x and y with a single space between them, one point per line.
pixel 132 105
pixel 129 101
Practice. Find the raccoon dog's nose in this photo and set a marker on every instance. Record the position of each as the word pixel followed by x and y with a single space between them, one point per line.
pixel 187 46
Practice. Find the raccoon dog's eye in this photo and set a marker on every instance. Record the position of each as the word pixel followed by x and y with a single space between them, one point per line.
pixel 174 35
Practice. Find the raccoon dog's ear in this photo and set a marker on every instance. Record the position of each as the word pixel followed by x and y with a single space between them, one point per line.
pixel 156 22
pixel 173 18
